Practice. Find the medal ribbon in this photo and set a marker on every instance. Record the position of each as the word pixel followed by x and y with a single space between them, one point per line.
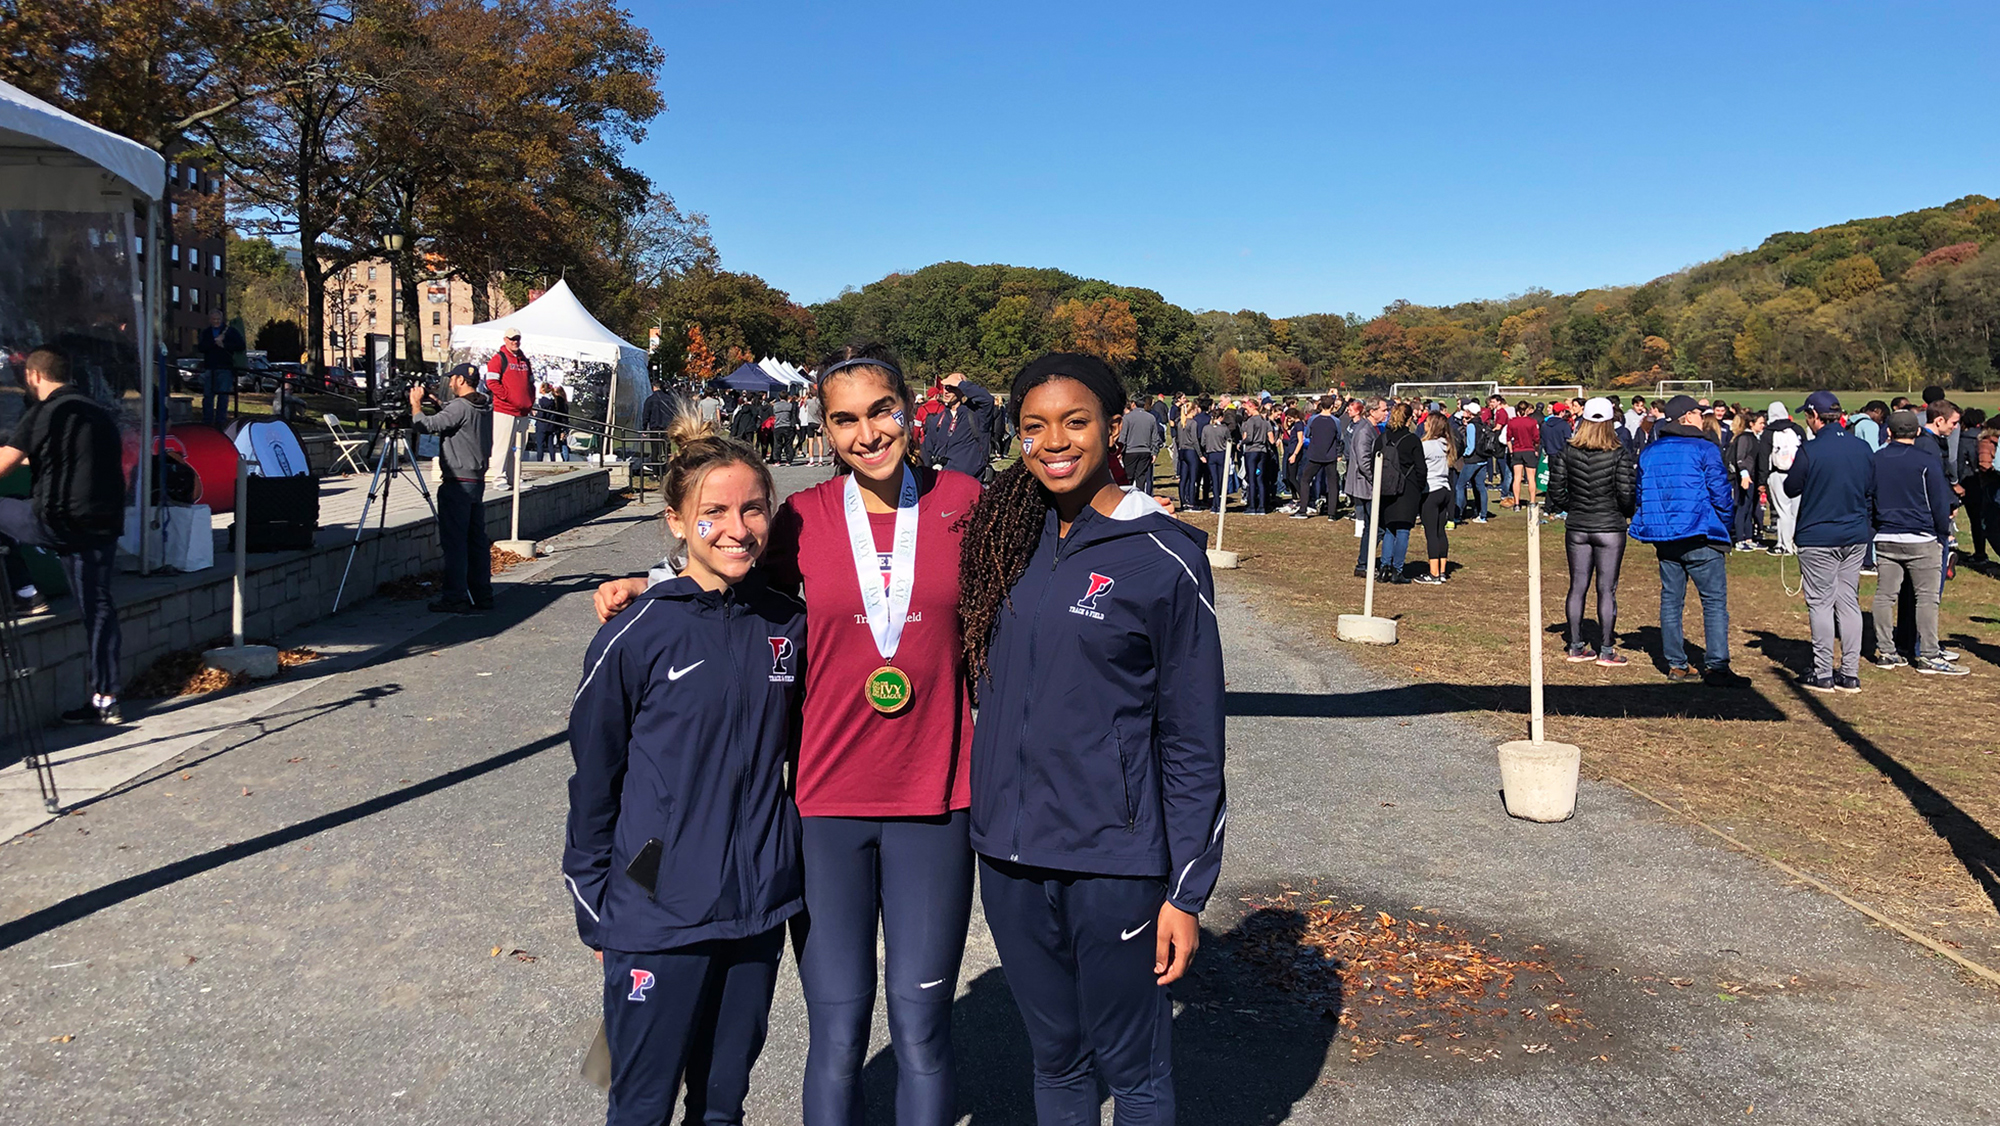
pixel 887 609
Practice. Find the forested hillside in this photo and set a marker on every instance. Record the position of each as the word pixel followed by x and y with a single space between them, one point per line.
pixel 1904 300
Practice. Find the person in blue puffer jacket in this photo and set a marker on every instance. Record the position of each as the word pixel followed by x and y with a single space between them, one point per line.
pixel 682 850
pixel 1684 510
pixel 1097 784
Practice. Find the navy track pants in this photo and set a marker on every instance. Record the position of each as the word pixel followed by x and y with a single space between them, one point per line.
pixel 1078 953
pixel 699 1011
pixel 915 875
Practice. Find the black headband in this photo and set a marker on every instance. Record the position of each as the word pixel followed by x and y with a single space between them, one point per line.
pixel 862 361
pixel 1087 370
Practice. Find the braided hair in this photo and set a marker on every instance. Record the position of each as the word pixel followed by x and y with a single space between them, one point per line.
pixel 1002 529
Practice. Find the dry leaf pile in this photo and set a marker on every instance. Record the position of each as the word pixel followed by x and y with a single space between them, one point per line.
pixel 1414 982
pixel 181 673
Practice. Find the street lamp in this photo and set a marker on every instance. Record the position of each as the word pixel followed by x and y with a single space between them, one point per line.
pixel 392 245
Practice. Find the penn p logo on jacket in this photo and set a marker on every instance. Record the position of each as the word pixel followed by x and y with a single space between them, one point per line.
pixel 1087 605
pixel 782 651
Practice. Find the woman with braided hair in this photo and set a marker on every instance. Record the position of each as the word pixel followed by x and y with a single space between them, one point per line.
pixel 1097 792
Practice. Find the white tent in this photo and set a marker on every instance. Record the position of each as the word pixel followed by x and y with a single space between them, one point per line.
pixel 782 372
pixel 77 206
pixel 557 325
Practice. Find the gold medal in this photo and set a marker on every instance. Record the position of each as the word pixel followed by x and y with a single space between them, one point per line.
pixel 888 690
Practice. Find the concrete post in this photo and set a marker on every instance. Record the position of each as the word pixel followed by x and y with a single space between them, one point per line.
pixel 1365 627
pixel 1538 778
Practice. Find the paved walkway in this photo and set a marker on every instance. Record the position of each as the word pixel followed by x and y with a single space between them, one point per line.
pixel 320 948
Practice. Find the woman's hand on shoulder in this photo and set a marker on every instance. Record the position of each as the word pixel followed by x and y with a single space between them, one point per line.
pixel 615 595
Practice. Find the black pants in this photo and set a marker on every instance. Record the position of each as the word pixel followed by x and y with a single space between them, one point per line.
pixel 88 571
pixel 468 555
pixel 1218 478
pixel 1318 484
pixel 1436 510
pixel 915 875
pixel 781 438
pixel 1255 484
pixel 699 1011
pixel 1139 471
pixel 1596 554
pixel 1078 954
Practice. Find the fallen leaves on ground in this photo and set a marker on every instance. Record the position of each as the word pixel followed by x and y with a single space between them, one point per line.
pixel 181 672
pixel 1417 983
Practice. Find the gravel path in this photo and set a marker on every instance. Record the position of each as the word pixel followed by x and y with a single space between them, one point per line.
pixel 319 950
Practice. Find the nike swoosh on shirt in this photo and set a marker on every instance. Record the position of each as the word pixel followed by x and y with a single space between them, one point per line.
pixel 930 984
pixel 676 674
pixel 1126 936
pixel 947 515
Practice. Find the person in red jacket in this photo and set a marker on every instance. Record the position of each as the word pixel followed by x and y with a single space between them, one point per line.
pixel 1524 445
pixel 510 380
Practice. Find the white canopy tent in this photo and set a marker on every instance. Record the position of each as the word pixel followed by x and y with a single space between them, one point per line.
pixel 557 326
pixel 782 372
pixel 78 205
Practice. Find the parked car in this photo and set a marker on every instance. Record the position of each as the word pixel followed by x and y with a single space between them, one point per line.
pixel 187 374
pixel 258 374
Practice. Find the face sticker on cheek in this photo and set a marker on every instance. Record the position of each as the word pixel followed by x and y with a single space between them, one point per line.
pixel 1027 446
pixel 702 528
pixel 898 416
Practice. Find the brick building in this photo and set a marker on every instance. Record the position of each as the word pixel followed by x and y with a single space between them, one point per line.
pixel 359 301
pixel 196 264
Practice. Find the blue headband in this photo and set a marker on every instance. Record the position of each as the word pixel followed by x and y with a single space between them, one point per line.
pixel 862 362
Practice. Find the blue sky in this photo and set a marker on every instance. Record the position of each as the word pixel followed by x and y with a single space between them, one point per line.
pixel 1301 158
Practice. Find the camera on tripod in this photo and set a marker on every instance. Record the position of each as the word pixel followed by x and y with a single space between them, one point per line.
pixel 394 411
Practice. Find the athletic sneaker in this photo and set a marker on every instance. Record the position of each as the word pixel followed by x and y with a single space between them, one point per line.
pixel 1817 683
pixel 1578 654
pixel 106 715
pixel 1949 654
pixel 1683 676
pixel 1890 659
pixel 28 607
pixel 1774 549
pixel 1930 666
pixel 1745 545
pixel 1296 515
pixel 1845 683
pixel 1722 676
pixel 1428 579
pixel 1612 659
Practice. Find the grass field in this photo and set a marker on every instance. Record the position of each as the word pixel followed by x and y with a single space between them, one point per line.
pixel 1893 793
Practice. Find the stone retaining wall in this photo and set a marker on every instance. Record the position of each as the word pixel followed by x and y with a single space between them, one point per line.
pixel 285 588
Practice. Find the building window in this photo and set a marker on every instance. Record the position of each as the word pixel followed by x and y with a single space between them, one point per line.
pixel 437 340
pixel 139 245
pixel 177 296
pixel 371 318
pixel 215 264
pixel 175 252
pixel 371 273
pixel 371 297
pixel 174 210
pixel 437 317
pixel 194 300
pixel 194 258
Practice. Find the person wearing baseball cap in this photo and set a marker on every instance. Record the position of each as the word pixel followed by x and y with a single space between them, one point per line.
pixel 1684 509
pixel 511 380
pixel 1830 478
pixel 1912 523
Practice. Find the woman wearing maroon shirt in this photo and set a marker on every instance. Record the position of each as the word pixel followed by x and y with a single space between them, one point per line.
pixel 883 775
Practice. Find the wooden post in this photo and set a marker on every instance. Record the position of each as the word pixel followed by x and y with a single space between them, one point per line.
pixel 1534 622
pixel 1374 523
pixel 242 538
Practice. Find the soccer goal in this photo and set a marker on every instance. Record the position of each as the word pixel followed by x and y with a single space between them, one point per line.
pixel 1699 388
pixel 1542 393
pixel 1442 392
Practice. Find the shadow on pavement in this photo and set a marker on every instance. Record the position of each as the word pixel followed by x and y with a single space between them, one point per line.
pixel 1229 1070
pixel 87 903
pixel 1640 699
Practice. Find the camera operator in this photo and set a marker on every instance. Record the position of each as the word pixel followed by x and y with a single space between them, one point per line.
pixel 77 511
pixel 465 424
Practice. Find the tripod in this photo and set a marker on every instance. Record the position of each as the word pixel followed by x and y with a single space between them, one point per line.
pixel 17 712
pixel 396 452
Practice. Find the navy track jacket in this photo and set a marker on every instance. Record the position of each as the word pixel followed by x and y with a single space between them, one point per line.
pixel 1099 745
pixel 681 729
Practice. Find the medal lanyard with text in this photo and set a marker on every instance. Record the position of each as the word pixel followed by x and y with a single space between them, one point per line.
pixel 888 688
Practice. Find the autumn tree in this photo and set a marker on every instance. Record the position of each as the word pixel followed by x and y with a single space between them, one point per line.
pixel 1104 328
pixel 700 362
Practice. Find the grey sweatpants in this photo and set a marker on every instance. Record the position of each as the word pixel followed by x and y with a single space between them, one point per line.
pixel 1924 563
pixel 1832 579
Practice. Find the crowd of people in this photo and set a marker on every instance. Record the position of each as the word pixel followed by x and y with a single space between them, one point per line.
pixel 1695 479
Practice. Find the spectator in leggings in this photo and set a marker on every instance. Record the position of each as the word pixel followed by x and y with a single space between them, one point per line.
pixel 1441 464
pixel 1187 457
pixel 1402 492
pixel 1594 480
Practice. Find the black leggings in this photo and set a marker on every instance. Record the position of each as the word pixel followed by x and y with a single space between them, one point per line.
pixel 1601 552
pixel 1437 506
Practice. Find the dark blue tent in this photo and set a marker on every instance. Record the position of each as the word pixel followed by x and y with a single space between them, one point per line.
pixel 749 377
